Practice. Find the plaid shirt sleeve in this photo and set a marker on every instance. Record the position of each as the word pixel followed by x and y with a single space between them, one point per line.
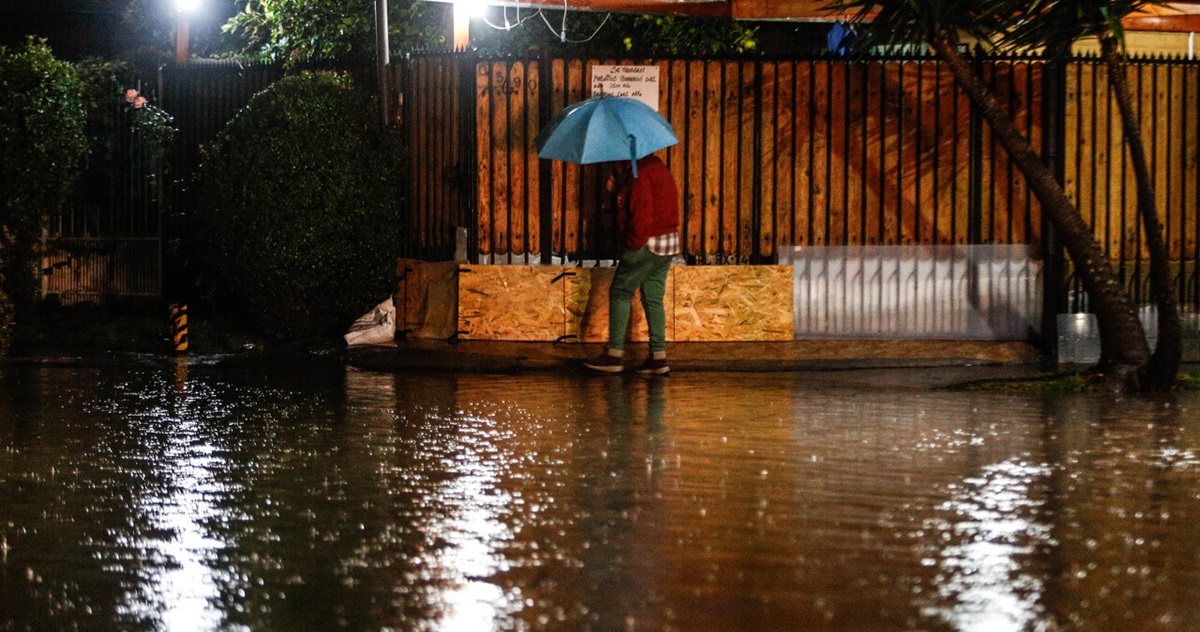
pixel 664 245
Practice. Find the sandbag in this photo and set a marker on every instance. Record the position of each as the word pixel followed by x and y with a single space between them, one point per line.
pixel 375 327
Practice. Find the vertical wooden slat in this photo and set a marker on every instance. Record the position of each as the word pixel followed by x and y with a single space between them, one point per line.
pixel 801 223
pixel 559 222
pixel 945 147
pixel 1033 209
pixel 1166 124
pixel 819 150
pixel 1018 202
pixel 856 161
pixel 928 126
pixel 728 121
pixel 785 153
pixel 533 204
pixel 993 178
pixel 873 176
pixel 707 220
pixel 836 166
pixel 484 157
pixel 747 161
pixel 516 143
pixel 1108 155
pixel 909 150
pixel 1190 173
pixel 676 96
pixel 768 184
pixel 501 173
pixel 891 102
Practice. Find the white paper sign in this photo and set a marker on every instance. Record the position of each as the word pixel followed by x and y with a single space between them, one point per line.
pixel 636 82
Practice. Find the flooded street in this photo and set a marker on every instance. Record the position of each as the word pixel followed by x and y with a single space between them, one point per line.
pixel 150 496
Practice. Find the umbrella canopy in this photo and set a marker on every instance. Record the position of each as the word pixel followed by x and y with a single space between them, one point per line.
pixel 605 129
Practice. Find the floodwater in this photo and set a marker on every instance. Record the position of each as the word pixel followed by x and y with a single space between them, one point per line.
pixel 147 495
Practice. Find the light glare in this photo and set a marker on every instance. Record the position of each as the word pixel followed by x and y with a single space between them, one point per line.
pixel 187 6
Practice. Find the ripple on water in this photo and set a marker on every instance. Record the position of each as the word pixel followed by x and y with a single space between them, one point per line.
pixel 214 499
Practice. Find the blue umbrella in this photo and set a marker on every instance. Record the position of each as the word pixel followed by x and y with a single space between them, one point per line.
pixel 605 129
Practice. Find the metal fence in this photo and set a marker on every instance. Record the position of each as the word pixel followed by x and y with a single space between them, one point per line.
pixel 106 241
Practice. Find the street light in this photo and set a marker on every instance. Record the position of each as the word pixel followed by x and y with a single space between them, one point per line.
pixel 183 9
pixel 463 11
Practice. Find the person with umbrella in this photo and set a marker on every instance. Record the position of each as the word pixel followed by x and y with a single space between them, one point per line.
pixel 626 133
pixel 648 230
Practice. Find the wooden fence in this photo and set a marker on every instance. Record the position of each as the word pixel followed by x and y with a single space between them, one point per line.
pixel 1097 173
pixel 823 152
pixel 772 152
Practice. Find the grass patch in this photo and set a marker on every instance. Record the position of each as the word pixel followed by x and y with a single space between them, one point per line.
pixel 1049 384
pixel 1059 384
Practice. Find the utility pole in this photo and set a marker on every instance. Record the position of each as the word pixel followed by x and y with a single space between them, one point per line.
pixel 383 60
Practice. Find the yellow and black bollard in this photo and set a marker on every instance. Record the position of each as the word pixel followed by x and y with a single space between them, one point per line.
pixel 179 327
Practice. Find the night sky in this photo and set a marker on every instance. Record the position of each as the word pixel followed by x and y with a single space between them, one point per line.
pixel 85 28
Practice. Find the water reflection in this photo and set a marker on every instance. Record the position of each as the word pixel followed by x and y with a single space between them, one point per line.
pixel 197 497
pixel 995 526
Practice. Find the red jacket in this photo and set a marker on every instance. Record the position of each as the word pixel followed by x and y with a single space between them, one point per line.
pixel 648 205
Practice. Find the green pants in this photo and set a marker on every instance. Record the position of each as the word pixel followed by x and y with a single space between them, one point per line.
pixel 644 270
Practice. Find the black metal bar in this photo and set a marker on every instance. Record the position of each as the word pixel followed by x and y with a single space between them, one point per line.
pixel 975 210
pixel 545 93
pixel 1054 299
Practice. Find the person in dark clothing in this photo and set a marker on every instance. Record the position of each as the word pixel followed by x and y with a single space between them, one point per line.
pixel 648 226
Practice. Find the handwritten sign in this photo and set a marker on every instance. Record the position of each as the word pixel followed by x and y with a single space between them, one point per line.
pixel 636 82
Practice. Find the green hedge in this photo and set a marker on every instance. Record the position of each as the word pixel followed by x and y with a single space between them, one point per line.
pixel 299 221
pixel 42 141
pixel 6 324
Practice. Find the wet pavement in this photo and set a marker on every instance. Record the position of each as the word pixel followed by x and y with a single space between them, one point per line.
pixel 145 493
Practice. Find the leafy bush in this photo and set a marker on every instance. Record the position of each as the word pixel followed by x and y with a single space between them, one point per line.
pixel 42 142
pixel 6 324
pixel 298 221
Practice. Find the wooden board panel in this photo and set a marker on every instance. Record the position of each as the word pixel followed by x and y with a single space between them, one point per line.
pixel 426 298
pixel 593 326
pixel 733 303
pixel 410 308
pixel 510 303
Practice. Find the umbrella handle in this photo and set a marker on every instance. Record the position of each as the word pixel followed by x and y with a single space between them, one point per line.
pixel 633 153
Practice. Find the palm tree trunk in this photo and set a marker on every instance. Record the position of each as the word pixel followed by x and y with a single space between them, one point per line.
pixel 1163 368
pixel 1123 349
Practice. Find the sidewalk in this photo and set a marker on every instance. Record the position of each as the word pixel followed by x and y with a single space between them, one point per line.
pixel 421 355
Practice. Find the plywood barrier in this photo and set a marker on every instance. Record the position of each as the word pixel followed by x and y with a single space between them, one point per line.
pixel 426 298
pixel 511 302
pixel 552 303
pixel 594 322
pixel 733 303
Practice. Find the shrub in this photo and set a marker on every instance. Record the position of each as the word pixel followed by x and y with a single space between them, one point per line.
pixel 42 142
pixel 6 324
pixel 297 222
